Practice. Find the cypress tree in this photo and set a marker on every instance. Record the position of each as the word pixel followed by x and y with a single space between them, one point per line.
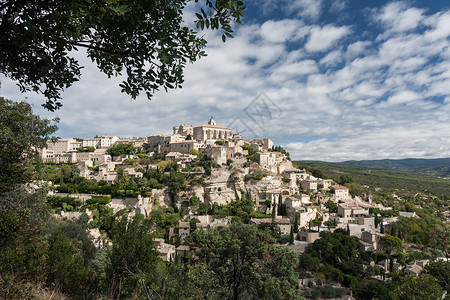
pixel 273 213
pixel 296 224
pixel 280 205
pixel 292 237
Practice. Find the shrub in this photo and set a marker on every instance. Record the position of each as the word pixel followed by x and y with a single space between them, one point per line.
pixel 63 202
pixel 98 200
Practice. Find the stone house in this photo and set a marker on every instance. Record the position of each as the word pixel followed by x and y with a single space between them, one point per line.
pixel 184 130
pixel 370 240
pixel 416 267
pixel 61 146
pixel 184 146
pixel 340 192
pixel 347 210
pixel 264 144
pixel 91 142
pixel 160 143
pixel 166 251
pixel 217 153
pixel 107 141
pixel 132 172
pixel 283 223
pixel 180 157
pixel 308 236
pixel 309 185
pixel 182 231
pixel 407 214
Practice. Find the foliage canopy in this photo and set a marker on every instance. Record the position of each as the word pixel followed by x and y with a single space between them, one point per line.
pixel 144 40
pixel 21 133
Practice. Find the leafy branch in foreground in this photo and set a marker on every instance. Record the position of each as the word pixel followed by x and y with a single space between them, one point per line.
pixel 143 39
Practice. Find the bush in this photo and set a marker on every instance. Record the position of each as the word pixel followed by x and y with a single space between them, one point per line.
pixel 99 200
pixel 287 180
pixel 63 202
pixel 194 201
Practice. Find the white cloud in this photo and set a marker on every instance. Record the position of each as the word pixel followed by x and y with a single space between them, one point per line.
pixel 440 26
pixel 322 38
pixel 401 98
pixel 301 68
pixel 310 9
pixel 357 48
pixel 333 58
pixel 342 94
pixel 281 31
pixel 398 17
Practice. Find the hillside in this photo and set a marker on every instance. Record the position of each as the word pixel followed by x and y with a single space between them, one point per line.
pixel 436 167
pixel 389 180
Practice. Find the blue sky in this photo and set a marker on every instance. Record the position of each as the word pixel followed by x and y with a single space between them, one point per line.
pixel 328 80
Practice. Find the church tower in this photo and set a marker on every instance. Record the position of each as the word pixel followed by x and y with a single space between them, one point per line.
pixel 212 122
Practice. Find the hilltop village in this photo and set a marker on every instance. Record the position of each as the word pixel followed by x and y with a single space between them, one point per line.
pixel 205 213
pixel 300 204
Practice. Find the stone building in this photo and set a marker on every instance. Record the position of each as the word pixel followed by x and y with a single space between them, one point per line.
pixel 309 185
pixel 340 192
pixel 91 142
pixel 107 141
pixel 184 146
pixel 61 146
pixel 283 223
pixel 212 131
pixel 160 143
pixel 184 130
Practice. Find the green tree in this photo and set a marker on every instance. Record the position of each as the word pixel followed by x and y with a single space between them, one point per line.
pixel 280 205
pixel 194 152
pixel 23 219
pixel 121 149
pixel 441 271
pixel 256 268
pixel 344 178
pixel 391 243
pixel 146 40
pixel 415 288
pixel 296 223
pixel 331 205
pixel 70 252
pixel 133 256
pixel 318 173
pixel 21 134
pixel 317 222
pixel 176 183
pixel 334 247
pixel 291 236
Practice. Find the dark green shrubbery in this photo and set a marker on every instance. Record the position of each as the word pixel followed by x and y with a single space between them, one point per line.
pixel 99 200
pixel 65 203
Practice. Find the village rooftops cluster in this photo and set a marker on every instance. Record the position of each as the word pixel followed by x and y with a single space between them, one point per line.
pixel 300 195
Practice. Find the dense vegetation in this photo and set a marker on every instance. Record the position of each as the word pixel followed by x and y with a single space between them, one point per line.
pixel 239 261
pixel 436 167
pixel 386 180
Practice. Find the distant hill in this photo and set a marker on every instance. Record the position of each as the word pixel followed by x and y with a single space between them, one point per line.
pixel 435 167
pixel 410 178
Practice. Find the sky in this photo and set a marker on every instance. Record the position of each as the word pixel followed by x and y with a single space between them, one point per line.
pixel 327 80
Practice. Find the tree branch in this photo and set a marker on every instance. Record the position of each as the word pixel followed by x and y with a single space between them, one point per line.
pixel 101 49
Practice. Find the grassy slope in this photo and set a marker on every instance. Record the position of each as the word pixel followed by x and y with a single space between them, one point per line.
pixel 437 167
pixel 384 179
